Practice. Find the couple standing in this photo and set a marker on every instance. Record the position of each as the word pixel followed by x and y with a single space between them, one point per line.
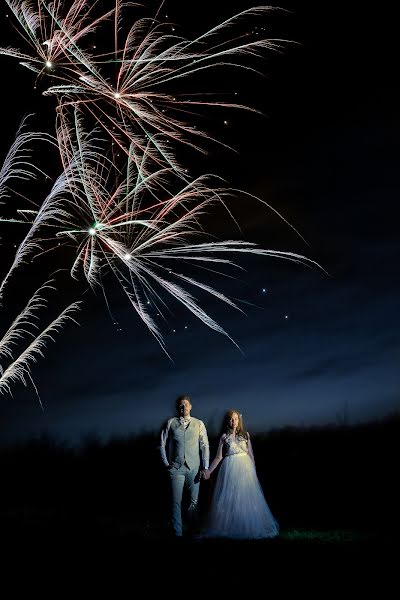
pixel 238 507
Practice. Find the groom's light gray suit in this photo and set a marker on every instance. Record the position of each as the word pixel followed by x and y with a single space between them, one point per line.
pixel 184 449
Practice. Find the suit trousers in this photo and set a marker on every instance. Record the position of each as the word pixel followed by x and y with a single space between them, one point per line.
pixel 188 480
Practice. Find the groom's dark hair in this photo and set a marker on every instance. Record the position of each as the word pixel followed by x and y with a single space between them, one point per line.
pixel 180 398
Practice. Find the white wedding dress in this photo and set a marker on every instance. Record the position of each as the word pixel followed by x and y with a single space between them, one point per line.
pixel 238 507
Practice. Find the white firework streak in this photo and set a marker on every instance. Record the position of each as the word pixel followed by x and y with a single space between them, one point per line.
pixel 50 209
pixel 17 164
pixel 20 368
pixel 25 322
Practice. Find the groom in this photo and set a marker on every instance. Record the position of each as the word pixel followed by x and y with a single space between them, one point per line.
pixel 184 448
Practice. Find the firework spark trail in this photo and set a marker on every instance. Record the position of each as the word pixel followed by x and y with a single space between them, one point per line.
pixel 50 209
pixel 18 162
pixel 26 325
pixel 20 369
pixel 20 327
pixel 18 166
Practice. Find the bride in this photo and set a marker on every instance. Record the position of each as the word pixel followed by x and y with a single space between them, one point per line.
pixel 238 507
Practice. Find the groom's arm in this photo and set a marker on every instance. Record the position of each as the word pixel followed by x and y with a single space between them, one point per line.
pixel 163 443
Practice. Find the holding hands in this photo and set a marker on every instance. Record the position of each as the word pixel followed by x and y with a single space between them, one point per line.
pixel 205 474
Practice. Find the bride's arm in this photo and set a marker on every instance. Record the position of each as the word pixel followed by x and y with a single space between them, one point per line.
pixel 218 456
pixel 250 448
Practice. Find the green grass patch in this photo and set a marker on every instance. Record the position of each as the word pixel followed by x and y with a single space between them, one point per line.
pixel 328 536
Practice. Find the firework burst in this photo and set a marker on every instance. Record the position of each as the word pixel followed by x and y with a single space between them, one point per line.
pixel 126 91
pixel 134 226
pixel 123 204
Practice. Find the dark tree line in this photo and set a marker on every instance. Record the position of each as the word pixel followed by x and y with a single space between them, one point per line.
pixel 321 478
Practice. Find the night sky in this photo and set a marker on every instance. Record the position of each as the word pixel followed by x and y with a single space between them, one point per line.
pixel 316 346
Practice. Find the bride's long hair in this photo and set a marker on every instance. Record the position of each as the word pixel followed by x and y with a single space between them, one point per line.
pixel 240 431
